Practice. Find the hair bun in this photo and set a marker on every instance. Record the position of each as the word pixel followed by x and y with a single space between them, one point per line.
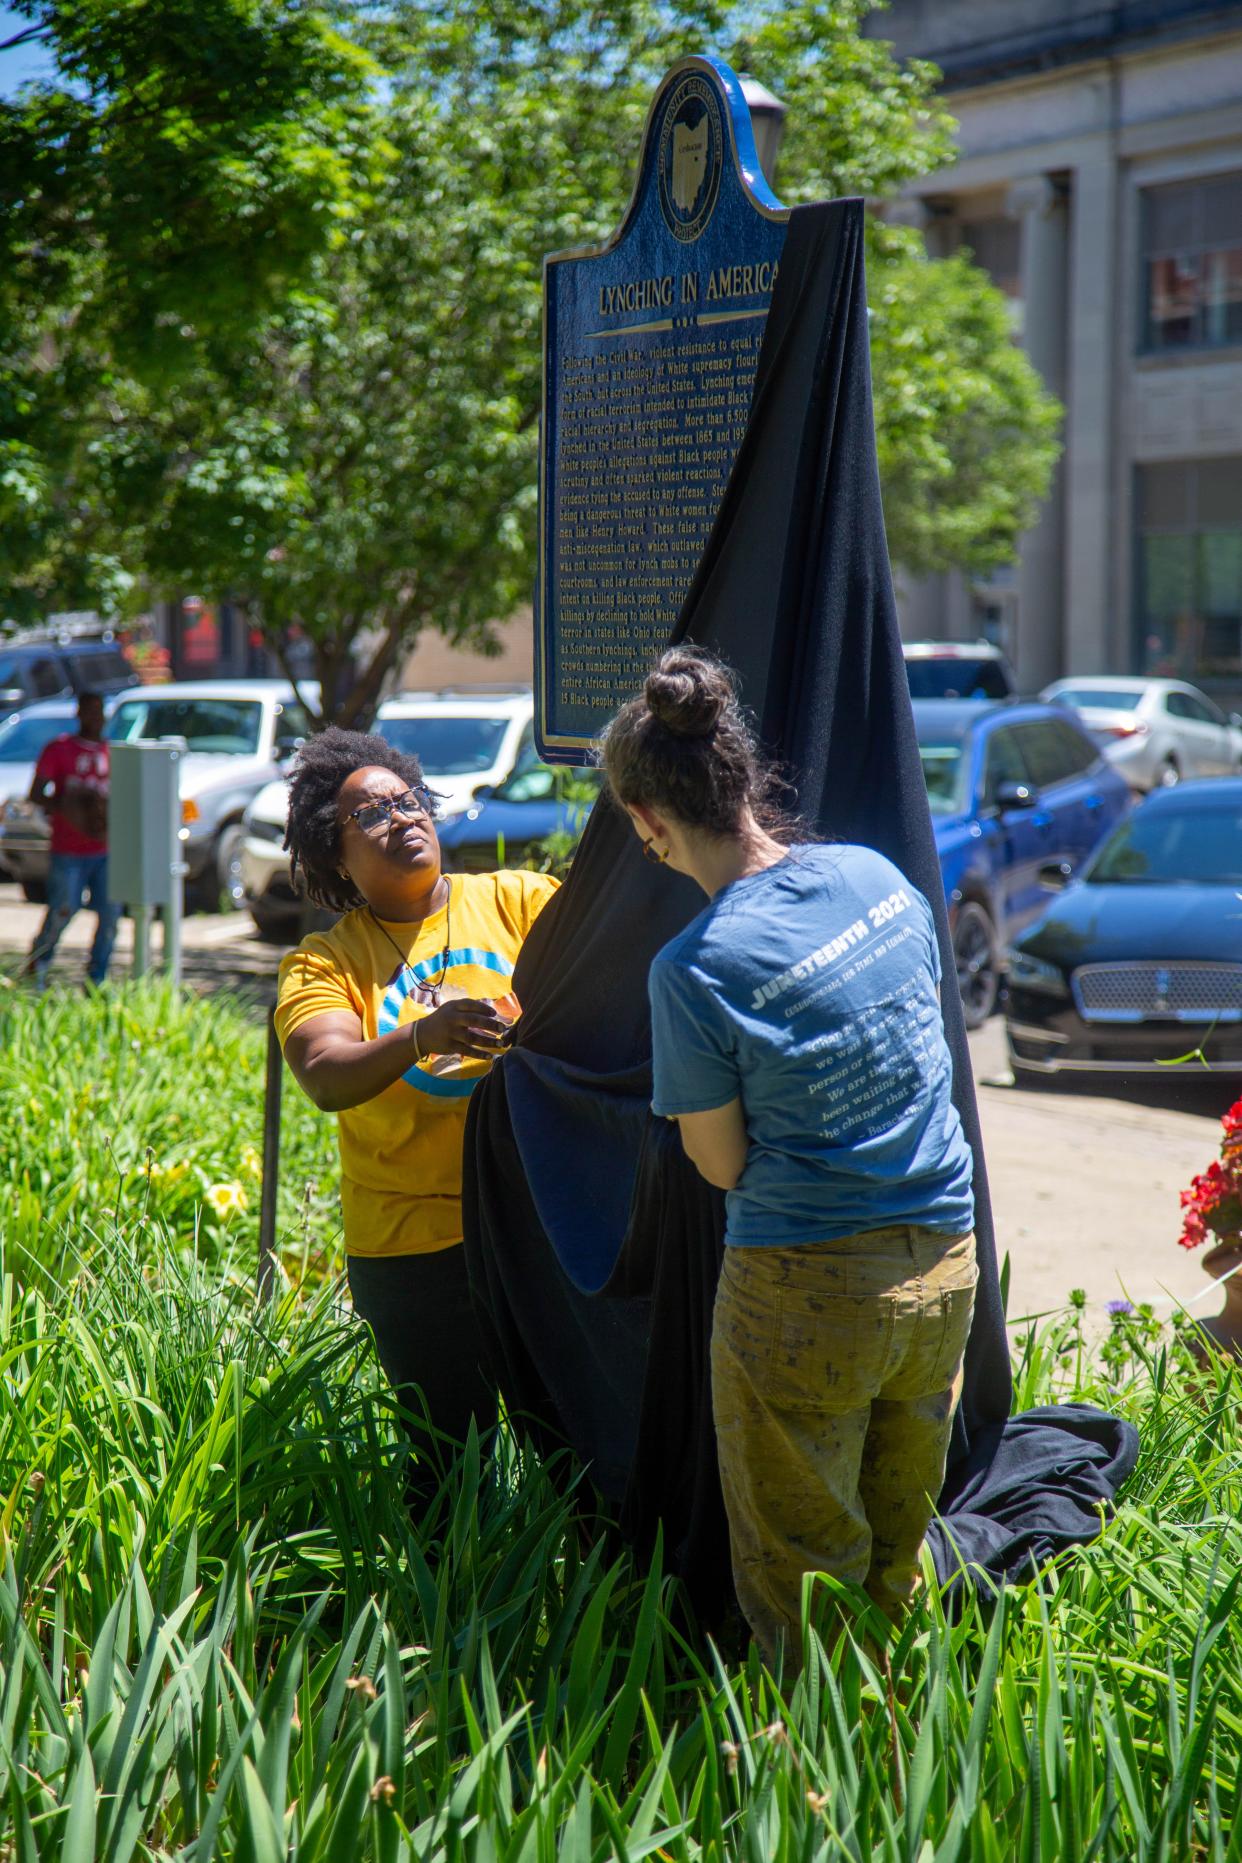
pixel 688 694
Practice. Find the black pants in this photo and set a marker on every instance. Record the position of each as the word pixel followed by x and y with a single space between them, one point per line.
pixel 427 1338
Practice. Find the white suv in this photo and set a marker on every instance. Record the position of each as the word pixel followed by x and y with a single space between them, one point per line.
pixel 957 669
pixel 464 739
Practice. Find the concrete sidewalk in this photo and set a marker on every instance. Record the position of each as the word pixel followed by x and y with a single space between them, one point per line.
pixel 218 951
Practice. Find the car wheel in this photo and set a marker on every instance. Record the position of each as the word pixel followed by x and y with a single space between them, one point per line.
pixel 35 891
pixel 1168 774
pixel 275 927
pixel 974 953
pixel 228 867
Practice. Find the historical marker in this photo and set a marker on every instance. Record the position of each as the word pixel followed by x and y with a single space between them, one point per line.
pixel 650 347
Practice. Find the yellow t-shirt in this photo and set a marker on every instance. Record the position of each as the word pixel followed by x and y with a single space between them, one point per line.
pixel 401 1152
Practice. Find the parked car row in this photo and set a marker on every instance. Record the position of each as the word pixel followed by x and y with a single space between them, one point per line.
pixel 1111 932
pixel 1155 731
pixel 1115 931
pixel 238 734
pixel 466 743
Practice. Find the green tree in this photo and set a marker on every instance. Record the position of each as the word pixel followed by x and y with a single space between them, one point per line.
pixel 359 457
pixel 158 202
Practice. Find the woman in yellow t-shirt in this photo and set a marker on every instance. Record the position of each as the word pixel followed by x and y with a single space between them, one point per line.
pixel 389 1020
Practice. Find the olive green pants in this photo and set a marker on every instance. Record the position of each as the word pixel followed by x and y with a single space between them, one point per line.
pixel 836 1369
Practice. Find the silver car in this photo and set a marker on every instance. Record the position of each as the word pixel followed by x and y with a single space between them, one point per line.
pixel 1154 731
pixel 239 734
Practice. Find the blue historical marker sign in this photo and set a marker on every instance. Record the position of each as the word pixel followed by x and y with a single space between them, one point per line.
pixel 650 347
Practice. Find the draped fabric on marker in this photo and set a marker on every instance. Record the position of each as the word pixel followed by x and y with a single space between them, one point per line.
pixel 593 1246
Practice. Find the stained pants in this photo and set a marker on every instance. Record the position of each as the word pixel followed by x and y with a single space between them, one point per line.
pixel 836 1369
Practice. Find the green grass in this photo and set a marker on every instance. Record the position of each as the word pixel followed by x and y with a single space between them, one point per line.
pixel 144 1100
pixel 222 1637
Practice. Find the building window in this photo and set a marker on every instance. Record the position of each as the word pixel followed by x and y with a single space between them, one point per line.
pixel 1190 570
pixel 1192 264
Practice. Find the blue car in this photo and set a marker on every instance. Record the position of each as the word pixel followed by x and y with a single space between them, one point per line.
pixel 1138 962
pixel 1013 787
pixel 506 821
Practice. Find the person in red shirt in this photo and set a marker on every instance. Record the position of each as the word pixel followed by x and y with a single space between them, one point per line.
pixel 71 785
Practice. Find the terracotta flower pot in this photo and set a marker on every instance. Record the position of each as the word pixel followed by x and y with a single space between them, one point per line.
pixel 1224 1329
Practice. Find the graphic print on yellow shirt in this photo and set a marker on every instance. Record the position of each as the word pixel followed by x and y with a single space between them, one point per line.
pixel 401 1153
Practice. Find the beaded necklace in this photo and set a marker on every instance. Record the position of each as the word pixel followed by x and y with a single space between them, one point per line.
pixel 430 990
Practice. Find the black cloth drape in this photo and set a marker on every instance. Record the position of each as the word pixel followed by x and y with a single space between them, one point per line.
pixel 593 1245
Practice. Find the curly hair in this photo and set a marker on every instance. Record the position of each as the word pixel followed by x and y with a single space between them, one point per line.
pixel 313 834
pixel 684 745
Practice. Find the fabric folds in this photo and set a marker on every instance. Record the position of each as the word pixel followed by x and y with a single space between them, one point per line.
pixel 593 1246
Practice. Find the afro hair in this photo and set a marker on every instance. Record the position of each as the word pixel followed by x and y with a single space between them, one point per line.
pixel 313 834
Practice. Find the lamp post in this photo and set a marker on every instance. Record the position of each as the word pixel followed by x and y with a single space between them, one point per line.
pixel 767 116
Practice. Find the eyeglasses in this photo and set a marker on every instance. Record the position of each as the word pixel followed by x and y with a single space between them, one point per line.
pixel 379 814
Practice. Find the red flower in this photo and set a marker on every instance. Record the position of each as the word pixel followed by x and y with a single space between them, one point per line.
pixel 1213 1203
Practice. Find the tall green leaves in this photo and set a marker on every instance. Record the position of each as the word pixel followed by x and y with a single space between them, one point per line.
pixel 222 1637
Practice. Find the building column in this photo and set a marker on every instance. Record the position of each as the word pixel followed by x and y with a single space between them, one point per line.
pixel 1038 648
pixel 1088 469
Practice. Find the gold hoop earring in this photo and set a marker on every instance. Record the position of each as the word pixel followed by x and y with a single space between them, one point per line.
pixel 649 853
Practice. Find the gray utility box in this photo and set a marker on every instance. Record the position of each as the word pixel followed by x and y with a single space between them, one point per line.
pixel 145 868
pixel 144 822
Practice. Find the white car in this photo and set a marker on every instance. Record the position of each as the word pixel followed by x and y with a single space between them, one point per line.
pixel 465 740
pixel 1154 731
pixel 957 669
pixel 238 734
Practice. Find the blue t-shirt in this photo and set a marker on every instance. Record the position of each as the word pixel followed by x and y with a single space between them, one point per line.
pixel 809 992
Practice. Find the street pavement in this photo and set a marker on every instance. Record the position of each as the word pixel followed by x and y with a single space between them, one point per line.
pixel 1084 1175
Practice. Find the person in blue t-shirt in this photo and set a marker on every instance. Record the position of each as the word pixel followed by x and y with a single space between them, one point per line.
pixel 798 1042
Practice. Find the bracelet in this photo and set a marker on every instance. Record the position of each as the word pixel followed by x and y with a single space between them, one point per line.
pixel 418 1053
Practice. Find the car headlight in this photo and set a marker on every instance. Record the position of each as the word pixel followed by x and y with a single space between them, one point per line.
pixel 1035 973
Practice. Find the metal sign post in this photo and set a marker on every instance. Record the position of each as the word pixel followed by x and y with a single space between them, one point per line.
pixel 142 916
pixel 271 1161
pixel 174 910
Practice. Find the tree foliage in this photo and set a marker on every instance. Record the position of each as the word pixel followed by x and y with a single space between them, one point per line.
pixel 342 431
pixel 157 204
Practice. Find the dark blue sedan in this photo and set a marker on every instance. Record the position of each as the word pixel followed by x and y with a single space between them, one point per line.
pixel 1013 787
pixel 534 806
pixel 1138 963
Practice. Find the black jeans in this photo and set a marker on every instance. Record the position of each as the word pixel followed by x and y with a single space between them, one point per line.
pixel 428 1341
